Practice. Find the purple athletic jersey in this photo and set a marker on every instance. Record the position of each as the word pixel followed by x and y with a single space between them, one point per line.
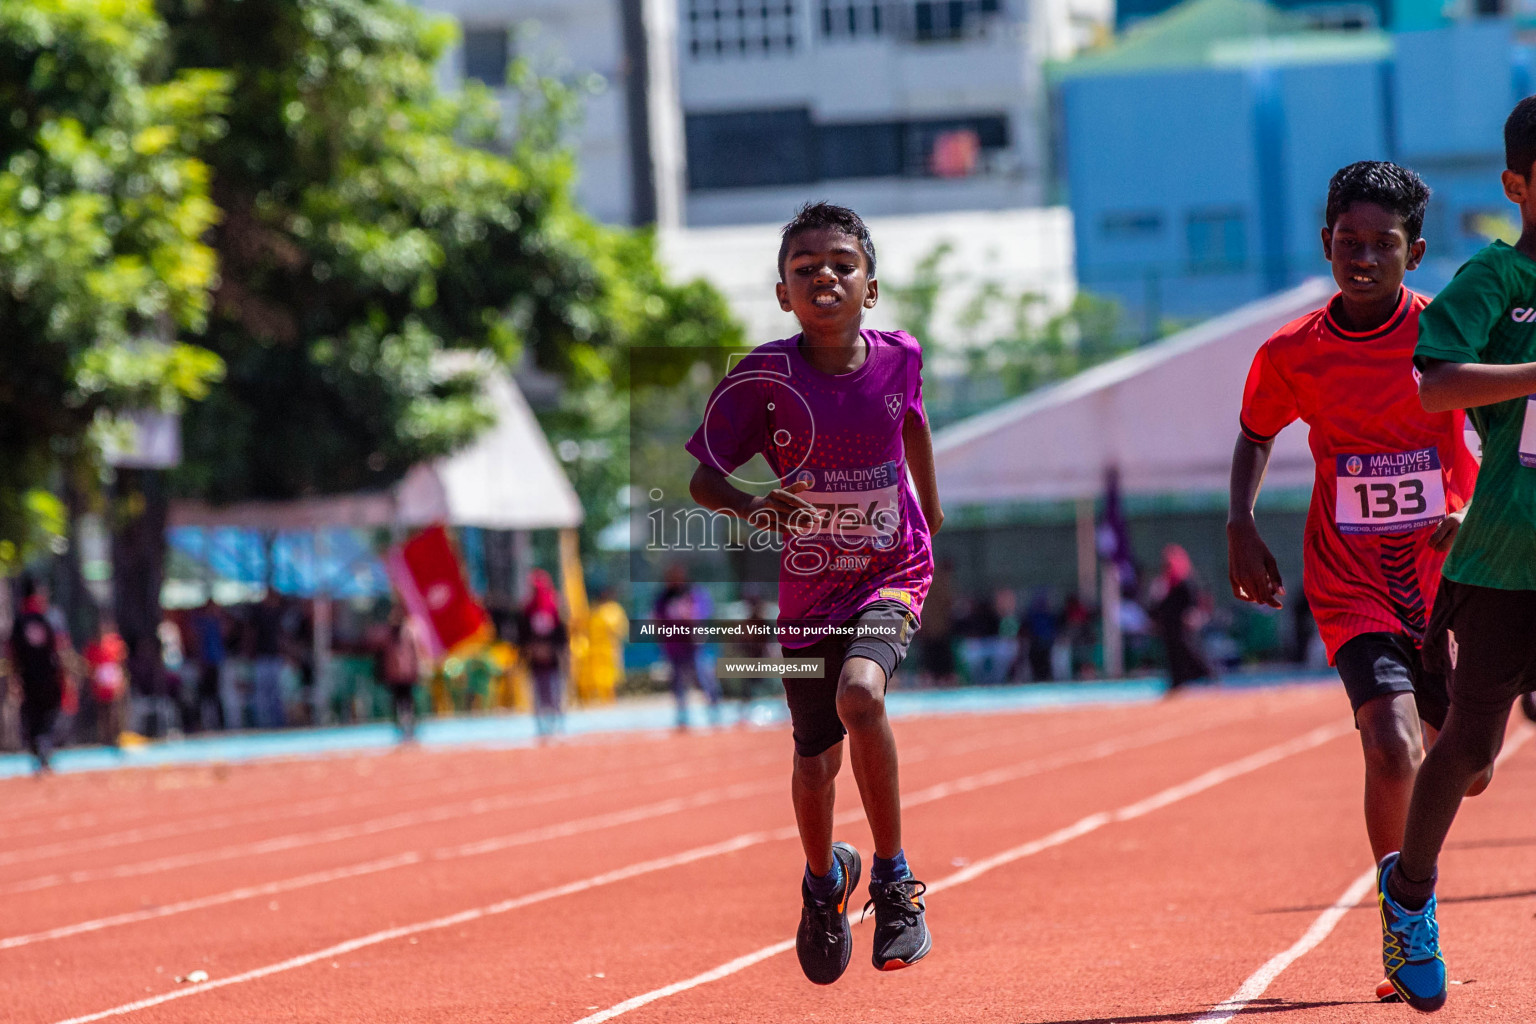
pixel 841 433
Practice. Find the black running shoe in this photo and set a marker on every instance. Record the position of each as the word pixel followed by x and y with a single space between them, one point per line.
pixel 901 934
pixel 825 942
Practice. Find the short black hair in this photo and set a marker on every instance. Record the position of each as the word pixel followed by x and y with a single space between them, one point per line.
pixel 1388 185
pixel 814 217
pixel 1520 137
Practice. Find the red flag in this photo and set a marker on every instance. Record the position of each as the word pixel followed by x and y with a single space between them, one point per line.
pixel 426 572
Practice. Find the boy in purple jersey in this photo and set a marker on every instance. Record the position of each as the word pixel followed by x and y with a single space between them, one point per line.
pixel 837 412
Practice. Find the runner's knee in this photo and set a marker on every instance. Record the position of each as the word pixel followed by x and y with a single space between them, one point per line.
pixel 861 699
pixel 1389 737
pixel 818 772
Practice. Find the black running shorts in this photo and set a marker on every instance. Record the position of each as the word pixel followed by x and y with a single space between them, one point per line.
pixel 1485 641
pixel 813 701
pixel 1381 664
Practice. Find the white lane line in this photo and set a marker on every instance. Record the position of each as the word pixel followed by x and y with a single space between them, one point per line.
pixel 463 917
pixel 967 784
pixel 732 845
pixel 587 787
pixel 434 786
pixel 1082 827
pixel 296 840
pixel 936 792
pixel 725 970
pixel 218 899
pixel 1260 980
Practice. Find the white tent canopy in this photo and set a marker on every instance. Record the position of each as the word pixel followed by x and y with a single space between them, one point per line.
pixel 507 479
pixel 1166 416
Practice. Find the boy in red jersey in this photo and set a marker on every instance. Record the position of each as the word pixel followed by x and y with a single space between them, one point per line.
pixel 1392 480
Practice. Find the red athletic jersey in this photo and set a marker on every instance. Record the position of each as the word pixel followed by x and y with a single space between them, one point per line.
pixel 1387 471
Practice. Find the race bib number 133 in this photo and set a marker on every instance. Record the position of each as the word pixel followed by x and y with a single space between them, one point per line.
pixel 1390 492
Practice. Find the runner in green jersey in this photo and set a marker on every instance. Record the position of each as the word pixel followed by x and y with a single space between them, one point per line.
pixel 1476 351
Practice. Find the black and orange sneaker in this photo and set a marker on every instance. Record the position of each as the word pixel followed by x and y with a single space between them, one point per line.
pixel 824 942
pixel 901 934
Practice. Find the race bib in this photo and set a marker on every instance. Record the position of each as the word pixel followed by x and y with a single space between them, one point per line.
pixel 1528 435
pixel 863 502
pixel 1389 493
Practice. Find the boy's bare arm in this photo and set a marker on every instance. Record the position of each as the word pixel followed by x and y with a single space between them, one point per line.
pixel 776 510
pixel 1251 568
pixel 1446 386
pixel 918 443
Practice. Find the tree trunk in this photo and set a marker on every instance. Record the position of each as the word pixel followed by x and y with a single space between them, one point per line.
pixel 140 505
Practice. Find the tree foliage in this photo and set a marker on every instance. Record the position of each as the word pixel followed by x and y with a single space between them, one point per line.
pixel 103 207
pixel 372 222
pixel 268 206
pixel 1000 343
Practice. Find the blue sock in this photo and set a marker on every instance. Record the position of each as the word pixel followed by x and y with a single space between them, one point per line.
pixel 824 887
pixel 884 872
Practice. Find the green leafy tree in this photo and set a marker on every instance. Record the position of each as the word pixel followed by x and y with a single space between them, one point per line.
pixel 1006 343
pixel 371 223
pixel 103 208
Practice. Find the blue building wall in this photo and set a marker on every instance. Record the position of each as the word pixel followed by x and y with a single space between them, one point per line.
pixel 1152 156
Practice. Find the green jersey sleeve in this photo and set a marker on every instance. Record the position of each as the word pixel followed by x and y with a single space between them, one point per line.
pixel 1456 326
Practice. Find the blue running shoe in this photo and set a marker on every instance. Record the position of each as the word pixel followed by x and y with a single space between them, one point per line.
pixel 824 942
pixel 1410 947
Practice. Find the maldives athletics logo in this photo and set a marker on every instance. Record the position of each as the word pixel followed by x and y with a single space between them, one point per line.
pixel 1353 465
pixel 893 405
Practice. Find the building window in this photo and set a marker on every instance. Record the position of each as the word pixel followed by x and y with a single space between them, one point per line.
pixel 907 19
pixel 853 19
pixel 952 19
pixel 944 148
pixel 750 148
pixel 755 148
pixel 1131 225
pixel 1217 241
pixel 732 28
pixel 486 54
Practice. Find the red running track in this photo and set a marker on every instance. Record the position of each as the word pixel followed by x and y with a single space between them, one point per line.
pixel 1193 860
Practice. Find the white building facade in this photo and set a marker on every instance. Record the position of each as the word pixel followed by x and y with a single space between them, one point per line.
pixel 618 54
pixel 892 107
pixel 704 113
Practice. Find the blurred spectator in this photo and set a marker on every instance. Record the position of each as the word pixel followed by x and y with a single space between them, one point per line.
pixel 400 665
pixel 680 604
pixel 36 656
pixel 542 642
pixel 267 654
pixel 1176 611
pixel 1077 630
pixel 1038 631
pixel 607 632
pixel 935 638
pixel 208 636
pixel 985 654
pixel 107 658
pixel 760 646
pixel 173 696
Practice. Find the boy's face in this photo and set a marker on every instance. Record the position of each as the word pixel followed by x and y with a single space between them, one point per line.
pixel 1370 252
pixel 826 280
pixel 1518 190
